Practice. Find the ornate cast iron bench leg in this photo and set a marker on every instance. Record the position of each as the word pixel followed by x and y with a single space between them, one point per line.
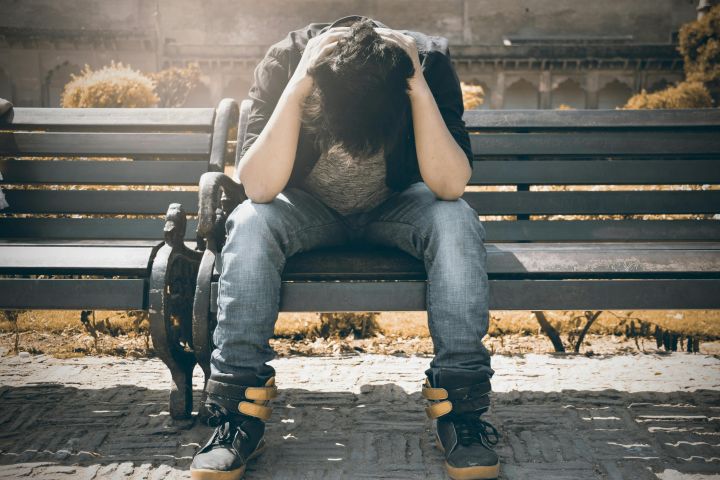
pixel 172 287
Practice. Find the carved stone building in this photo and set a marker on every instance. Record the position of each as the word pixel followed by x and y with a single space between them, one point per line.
pixel 525 54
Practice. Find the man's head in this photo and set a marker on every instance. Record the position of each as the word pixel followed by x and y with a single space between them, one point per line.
pixel 360 98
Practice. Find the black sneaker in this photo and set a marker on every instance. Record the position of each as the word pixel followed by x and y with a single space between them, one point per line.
pixel 457 401
pixel 236 440
pixel 238 414
pixel 467 444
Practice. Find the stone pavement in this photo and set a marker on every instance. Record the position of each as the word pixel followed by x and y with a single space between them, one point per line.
pixel 618 417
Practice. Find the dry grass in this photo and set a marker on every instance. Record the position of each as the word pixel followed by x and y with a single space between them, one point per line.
pixel 61 333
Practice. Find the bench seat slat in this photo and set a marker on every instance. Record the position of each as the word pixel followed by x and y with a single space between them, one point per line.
pixel 498 231
pixel 518 260
pixel 144 118
pixel 595 172
pixel 143 172
pixel 504 295
pixel 596 143
pixel 87 228
pixel 590 119
pixel 589 203
pixel 71 294
pixel 98 201
pixel 111 144
pixel 75 259
pixel 602 230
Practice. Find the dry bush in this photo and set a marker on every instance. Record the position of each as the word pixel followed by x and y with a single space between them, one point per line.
pixel 115 85
pixel 699 44
pixel 173 85
pixel 473 95
pixel 683 95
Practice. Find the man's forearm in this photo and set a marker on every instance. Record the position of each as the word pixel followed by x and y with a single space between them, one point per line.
pixel 443 164
pixel 265 168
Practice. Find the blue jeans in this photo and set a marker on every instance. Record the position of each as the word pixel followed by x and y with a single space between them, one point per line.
pixel 447 235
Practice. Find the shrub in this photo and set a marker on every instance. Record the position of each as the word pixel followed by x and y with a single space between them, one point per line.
pixel 683 95
pixel 699 44
pixel 473 95
pixel 173 85
pixel 115 85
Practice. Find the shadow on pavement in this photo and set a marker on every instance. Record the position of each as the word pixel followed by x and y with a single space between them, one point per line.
pixel 381 432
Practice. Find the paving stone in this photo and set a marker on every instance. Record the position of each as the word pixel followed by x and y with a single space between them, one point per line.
pixel 561 417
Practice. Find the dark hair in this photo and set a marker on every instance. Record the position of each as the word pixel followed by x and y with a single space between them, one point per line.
pixel 360 98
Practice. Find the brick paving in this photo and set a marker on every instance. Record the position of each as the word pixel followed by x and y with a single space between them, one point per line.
pixel 618 417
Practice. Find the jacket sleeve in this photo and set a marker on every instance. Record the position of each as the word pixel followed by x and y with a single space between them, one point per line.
pixel 270 79
pixel 445 87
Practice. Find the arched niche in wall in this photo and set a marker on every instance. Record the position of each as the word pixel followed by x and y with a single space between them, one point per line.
pixel 568 92
pixel 614 94
pixel 55 82
pixel 521 95
pixel 6 86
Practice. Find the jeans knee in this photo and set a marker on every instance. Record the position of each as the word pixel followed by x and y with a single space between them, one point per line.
pixel 456 219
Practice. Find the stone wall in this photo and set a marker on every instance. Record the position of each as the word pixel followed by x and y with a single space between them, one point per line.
pixel 517 49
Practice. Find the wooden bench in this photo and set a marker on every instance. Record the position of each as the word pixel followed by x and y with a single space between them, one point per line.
pixel 104 244
pixel 548 249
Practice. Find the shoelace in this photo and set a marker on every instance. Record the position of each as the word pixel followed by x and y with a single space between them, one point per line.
pixel 474 429
pixel 224 428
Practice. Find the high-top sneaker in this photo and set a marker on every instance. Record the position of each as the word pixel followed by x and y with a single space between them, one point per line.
pixel 238 414
pixel 457 402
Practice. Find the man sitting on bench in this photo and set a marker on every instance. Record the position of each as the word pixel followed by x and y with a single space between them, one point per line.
pixel 355 134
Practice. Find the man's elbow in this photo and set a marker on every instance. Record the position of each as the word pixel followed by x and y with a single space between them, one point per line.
pixel 259 196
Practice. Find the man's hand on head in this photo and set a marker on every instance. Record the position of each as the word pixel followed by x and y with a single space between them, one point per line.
pixel 316 49
pixel 406 42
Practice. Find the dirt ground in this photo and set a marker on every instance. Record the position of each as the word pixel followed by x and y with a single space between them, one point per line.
pixel 62 334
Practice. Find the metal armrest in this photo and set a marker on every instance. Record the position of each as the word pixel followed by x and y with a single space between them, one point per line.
pixel 218 196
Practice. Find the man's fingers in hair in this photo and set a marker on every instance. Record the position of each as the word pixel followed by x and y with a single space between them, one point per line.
pixel 326 50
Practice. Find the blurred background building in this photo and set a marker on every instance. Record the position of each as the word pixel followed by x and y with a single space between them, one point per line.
pixel 525 54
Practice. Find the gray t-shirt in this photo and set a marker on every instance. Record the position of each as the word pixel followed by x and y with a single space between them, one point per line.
pixel 348 185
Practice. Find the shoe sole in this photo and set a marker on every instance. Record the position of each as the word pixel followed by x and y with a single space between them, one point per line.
pixel 203 474
pixel 483 472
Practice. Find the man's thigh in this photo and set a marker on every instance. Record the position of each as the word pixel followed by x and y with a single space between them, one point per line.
pixel 408 218
pixel 295 220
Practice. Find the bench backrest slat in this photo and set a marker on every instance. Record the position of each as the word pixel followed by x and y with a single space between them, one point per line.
pixel 593 203
pixel 87 228
pixel 130 202
pixel 618 142
pixel 104 144
pixel 79 119
pixel 144 172
pixel 592 172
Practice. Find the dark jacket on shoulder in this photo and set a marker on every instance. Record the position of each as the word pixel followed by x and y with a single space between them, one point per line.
pixel 276 68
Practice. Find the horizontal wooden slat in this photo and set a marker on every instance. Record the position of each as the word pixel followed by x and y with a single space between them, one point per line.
pixel 98 201
pixel 111 144
pixel 68 294
pixel 504 295
pixel 88 228
pixel 562 203
pixel 142 172
pixel 602 230
pixel 75 259
pixel 546 260
pixel 145 118
pixel 590 119
pixel 595 172
pixel 624 142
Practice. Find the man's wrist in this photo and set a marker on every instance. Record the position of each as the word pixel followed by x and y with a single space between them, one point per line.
pixel 418 87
